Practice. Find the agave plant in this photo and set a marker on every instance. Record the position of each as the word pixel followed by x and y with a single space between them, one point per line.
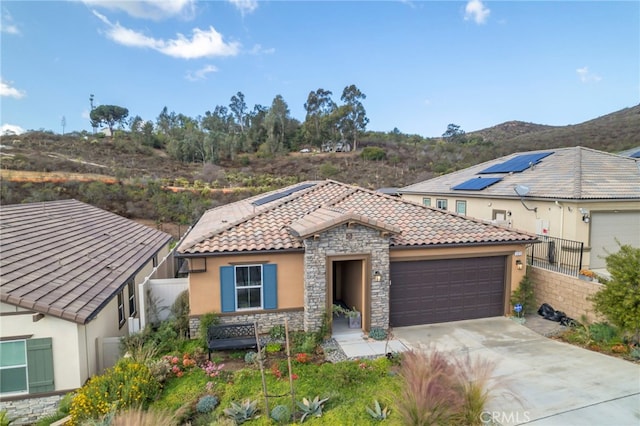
pixel 378 412
pixel 311 407
pixel 240 413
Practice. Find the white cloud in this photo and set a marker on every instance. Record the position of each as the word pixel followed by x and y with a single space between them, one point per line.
pixel 201 74
pixel 6 24
pixel 257 50
pixel 587 76
pixel 7 90
pixel 245 6
pixel 148 9
pixel 202 44
pixel 476 11
pixel 11 129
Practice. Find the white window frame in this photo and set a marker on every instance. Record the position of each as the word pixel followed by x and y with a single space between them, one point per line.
pixel 426 201
pixel 25 366
pixel 442 203
pixel 461 203
pixel 248 287
pixel 131 289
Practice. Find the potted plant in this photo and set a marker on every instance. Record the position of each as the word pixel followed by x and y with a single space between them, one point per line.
pixel 353 315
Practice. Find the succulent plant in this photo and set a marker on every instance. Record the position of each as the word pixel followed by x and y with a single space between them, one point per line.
pixel 207 404
pixel 250 357
pixel 378 412
pixel 311 407
pixel 378 333
pixel 281 414
pixel 242 412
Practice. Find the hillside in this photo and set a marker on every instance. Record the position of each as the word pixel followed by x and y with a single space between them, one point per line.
pixel 128 173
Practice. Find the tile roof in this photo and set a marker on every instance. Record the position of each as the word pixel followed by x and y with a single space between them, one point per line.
pixel 67 258
pixel 278 225
pixel 575 173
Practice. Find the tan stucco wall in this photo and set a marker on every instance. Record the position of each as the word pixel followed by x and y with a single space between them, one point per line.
pixel 204 287
pixel 514 252
pixel 564 219
pixel 65 340
pixel 565 293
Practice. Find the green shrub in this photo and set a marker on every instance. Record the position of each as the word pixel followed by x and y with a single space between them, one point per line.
pixel 180 312
pixel 619 298
pixel 601 332
pixel 273 347
pixel 206 320
pixel 373 153
pixel 277 332
pixel 524 296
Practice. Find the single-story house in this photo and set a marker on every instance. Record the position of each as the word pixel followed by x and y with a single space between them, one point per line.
pixel 576 193
pixel 295 252
pixel 69 277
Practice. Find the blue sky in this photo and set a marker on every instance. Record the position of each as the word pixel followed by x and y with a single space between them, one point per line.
pixel 421 64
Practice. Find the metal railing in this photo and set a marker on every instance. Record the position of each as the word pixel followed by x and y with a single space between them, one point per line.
pixel 557 254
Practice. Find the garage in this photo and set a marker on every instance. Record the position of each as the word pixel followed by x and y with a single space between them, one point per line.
pixel 433 291
pixel 606 228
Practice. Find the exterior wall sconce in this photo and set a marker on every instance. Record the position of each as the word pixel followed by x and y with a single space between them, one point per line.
pixel 519 265
pixel 377 276
pixel 585 215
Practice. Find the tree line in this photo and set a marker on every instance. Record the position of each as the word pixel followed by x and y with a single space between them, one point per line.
pixel 233 129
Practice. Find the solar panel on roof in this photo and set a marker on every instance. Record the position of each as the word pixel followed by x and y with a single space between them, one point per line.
pixel 635 154
pixel 281 194
pixel 476 184
pixel 517 164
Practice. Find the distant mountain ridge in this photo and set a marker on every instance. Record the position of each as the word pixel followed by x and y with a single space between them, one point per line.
pixel 612 132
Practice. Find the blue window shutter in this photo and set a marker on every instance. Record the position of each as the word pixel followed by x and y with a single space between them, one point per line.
pixel 40 365
pixel 227 289
pixel 270 286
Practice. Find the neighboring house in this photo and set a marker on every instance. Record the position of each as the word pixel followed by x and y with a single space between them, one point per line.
pixel 577 193
pixel 294 252
pixel 69 275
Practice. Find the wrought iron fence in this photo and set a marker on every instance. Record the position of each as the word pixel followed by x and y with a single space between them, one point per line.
pixel 557 254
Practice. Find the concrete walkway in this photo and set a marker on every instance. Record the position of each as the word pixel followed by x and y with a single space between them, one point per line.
pixel 548 382
pixel 355 344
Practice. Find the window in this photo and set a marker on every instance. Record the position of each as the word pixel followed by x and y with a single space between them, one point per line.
pixel 26 366
pixel 248 287
pixel 131 288
pixel 13 367
pixel 120 309
pixel 426 202
pixel 441 204
pixel 461 207
pixel 155 260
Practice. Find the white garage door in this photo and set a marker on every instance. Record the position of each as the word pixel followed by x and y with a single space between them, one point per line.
pixel 606 227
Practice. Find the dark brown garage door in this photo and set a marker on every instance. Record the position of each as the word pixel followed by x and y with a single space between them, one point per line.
pixel 431 291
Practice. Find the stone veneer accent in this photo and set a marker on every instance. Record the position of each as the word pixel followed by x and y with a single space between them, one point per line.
pixel 564 293
pixel 29 410
pixel 345 240
pixel 266 320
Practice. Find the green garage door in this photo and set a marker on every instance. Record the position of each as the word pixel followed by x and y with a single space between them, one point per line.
pixel 433 291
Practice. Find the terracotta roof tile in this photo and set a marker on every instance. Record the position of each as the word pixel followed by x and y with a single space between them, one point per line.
pixel 276 225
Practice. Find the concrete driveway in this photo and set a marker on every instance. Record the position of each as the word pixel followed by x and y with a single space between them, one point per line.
pixel 556 383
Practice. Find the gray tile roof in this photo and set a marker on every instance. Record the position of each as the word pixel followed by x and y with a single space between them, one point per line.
pixel 244 226
pixel 67 258
pixel 575 173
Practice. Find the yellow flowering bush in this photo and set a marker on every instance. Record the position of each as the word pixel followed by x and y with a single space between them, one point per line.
pixel 127 384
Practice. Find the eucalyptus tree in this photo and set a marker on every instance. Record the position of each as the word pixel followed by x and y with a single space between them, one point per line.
pixel 275 123
pixel 238 108
pixel 354 118
pixel 319 107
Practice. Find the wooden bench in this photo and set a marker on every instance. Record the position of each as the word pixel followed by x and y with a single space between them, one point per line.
pixel 222 337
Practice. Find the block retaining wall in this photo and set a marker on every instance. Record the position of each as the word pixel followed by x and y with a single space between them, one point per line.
pixel 565 293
